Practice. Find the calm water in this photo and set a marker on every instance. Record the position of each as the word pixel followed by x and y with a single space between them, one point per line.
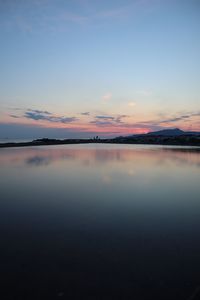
pixel 100 222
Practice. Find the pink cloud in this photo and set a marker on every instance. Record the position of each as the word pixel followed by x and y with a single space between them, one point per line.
pixel 107 96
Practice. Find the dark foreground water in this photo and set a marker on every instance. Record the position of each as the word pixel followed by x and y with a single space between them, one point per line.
pixel 100 222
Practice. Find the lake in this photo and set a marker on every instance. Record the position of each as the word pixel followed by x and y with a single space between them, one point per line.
pixel 100 222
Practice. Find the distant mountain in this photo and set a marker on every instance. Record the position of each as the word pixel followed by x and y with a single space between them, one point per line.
pixel 165 133
pixel 163 137
pixel 168 132
pixel 172 132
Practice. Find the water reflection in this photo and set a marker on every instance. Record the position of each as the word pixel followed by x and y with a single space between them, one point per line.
pixel 101 155
pixel 38 161
pixel 108 221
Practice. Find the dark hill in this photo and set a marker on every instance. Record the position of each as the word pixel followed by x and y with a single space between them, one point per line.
pixel 168 132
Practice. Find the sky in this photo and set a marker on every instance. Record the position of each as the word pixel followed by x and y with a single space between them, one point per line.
pixel 80 68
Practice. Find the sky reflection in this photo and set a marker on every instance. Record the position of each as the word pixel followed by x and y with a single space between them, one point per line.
pixel 126 215
pixel 113 171
pixel 101 154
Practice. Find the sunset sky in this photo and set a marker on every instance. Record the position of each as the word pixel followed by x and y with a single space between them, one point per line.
pixel 79 68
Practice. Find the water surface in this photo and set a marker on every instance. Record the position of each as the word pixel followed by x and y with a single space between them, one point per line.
pixel 100 222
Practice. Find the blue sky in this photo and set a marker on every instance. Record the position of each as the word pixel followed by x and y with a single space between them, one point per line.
pixel 87 67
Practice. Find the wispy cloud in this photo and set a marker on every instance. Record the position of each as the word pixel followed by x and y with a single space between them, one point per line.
pixel 102 120
pixel 144 126
pixel 168 122
pixel 87 113
pixel 39 111
pixel 172 120
pixel 180 117
pixel 105 117
pixel 14 116
pixel 101 123
pixel 38 115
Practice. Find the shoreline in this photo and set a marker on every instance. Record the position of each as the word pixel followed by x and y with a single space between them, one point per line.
pixel 125 141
